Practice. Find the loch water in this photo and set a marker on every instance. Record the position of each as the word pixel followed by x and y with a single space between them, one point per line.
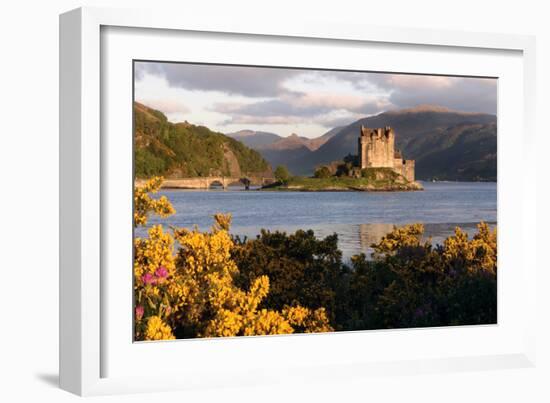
pixel 359 218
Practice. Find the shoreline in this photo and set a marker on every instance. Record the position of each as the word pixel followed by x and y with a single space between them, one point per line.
pixel 171 186
pixel 379 183
pixel 339 190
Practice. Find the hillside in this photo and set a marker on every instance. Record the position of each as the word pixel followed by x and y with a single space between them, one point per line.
pixel 179 150
pixel 461 152
pixel 433 136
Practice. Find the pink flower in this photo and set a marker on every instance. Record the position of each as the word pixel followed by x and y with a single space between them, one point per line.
pixel 139 312
pixel 148 278
pixel 161 272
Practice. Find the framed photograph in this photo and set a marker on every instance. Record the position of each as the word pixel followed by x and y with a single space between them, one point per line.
pixel 243 203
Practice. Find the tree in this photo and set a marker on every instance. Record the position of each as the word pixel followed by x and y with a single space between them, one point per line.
pixel 351 159
pixel 344 169
pixel 323 172
pixel 282 174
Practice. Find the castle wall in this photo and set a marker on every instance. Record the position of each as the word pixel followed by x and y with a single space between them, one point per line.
pixel 404 168
pixel 408 168
pixel 399 166
pixel 362 147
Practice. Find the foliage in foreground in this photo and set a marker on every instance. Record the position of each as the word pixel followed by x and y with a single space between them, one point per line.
pixel 189 290
pixel 411 283
pixel 408 282
pixel 214 285
pixel 303 270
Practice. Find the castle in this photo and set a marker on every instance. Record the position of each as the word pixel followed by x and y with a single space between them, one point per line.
pixel 377 150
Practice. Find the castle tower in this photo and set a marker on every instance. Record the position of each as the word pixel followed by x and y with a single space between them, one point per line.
pixel 376 147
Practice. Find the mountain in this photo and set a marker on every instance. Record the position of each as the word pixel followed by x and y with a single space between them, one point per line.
pixel 291 150
pixel 428 134
pixel 287 143
pixel 317 142
pixel 178 150
pixel 460 152
pixel 285 149
pixel 254 139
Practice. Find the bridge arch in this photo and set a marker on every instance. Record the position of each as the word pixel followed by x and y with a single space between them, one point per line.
pixel 214 183
pixel 244 182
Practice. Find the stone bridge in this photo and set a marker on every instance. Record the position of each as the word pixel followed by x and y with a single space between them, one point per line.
pixel 207 181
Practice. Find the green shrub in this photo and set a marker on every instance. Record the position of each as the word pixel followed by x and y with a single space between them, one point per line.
pixel 322 172
pixel 301 268
pixel 282 174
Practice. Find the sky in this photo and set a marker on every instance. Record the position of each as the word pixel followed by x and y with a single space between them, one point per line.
pixel 285 101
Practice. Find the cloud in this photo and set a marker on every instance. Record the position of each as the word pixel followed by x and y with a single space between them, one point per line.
pixel 277 112
pixel 460 93
pixel 329 121
pixel 469 94
pixel 411 81
pixel 235 95
pixel 301 107
pixel 323 101
pixel 344 120
pixel 264 120
pixel 247 81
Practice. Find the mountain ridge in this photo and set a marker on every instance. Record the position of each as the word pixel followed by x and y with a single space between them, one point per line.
pixel 253 138
pixel 278 150
pixel 416 130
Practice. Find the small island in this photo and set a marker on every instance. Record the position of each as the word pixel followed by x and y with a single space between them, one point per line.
pixel 377 167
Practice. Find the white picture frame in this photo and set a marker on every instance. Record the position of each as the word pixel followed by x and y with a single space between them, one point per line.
pixel 86 333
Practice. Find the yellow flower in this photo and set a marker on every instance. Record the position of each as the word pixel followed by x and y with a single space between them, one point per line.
pixel 197 290
pixel 407 235
pixel 144 203
pixel 158 330
pixel 479 253
pixel 310 321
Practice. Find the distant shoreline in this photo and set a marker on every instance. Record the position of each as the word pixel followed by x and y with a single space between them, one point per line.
pixel 171 185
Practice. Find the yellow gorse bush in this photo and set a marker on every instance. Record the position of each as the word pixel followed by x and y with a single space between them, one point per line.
pixel 479 253
pixel 406 236
pixel 192 289
pixel 157 329
pixel 144 204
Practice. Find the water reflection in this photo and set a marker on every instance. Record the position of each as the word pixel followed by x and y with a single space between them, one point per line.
pixel 358 238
